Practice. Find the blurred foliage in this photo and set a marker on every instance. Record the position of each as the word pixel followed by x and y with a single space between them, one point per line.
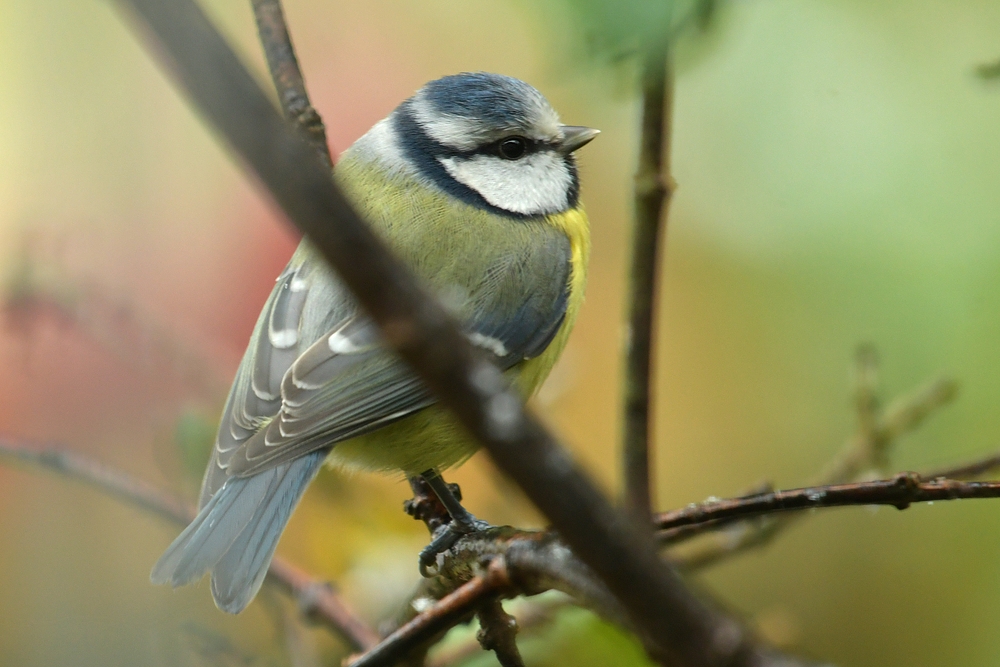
pixel 574 637
pixel 607 39
pixel 989 71
pixel 613 31
pixel 194 434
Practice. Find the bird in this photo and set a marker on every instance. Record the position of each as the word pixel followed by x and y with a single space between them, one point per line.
pixel 472 182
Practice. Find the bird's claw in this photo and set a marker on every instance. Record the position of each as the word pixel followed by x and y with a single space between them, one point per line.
pixel 444 539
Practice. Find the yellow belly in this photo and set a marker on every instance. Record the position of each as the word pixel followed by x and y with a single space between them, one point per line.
pixel 432 438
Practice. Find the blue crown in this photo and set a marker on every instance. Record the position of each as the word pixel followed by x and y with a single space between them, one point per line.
pixel 493 98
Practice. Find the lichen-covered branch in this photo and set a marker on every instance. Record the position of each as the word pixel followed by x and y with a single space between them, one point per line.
pixel 504 562
pixel 316 598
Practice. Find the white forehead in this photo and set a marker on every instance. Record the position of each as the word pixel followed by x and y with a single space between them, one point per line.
pixel 538 121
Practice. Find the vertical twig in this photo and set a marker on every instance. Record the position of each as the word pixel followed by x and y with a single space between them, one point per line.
pixel 653 189
pixel 287 76
pixel 497 633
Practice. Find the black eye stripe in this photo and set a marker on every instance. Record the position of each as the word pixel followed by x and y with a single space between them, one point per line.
pixel 426 155
pixel 531 146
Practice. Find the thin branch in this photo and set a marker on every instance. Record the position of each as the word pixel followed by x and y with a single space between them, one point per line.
pixel 867 449
pixel 317 599
pixel 900 491
pixel 532 617
pixel 498 632
pixel 653 190
pixel 528 563
pixel 970 470
pixel 444 614
pixel 287 77
pixel 870 447
pixel 426 506
pixel 674 623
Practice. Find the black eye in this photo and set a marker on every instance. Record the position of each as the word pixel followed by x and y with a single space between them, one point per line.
pixel 512 148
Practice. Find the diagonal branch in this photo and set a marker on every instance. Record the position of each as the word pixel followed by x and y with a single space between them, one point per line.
pixel 673 623
pixel 444 614
pixel 316 598
pixel 653 190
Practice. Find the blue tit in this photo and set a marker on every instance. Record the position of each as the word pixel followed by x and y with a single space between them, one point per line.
pixel 472 182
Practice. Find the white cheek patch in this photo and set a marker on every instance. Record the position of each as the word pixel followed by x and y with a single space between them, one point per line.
pixel 534 185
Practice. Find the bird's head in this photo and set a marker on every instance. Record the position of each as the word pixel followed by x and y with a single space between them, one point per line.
pixel 492 141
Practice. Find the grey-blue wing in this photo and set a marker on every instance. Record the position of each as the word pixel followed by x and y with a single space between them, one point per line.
pixel 348 383
pixel 316 373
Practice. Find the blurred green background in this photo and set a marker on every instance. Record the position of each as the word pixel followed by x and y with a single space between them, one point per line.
pixel 839 173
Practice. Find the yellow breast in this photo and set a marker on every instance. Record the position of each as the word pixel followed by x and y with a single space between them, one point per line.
pixel 532 372
pixel 431 438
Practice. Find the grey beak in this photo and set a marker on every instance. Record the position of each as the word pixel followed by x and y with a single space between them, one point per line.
pixel 576 136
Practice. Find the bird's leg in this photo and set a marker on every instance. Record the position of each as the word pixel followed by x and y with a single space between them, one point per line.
pixel 462 523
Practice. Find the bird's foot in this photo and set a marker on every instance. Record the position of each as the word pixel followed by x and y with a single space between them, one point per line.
pixel 445 538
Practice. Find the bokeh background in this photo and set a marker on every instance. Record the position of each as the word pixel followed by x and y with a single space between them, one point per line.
pixel 839 173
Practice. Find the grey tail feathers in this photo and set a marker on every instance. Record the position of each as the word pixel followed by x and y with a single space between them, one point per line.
pixel 236 532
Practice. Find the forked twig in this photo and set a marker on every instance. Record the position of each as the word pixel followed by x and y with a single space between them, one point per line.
pixel 867 450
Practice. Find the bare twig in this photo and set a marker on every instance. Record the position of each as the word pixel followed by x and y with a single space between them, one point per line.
pixel 970 470
pixel 653 190
pixel 535 562
pixel 99 476
pixel 869 448
pixel 532 616
pixel 866 450
pixel 670 619
pixel 317 599
pixel 900 491
pixel 287 76
pixel 447 612
pixel 498 632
